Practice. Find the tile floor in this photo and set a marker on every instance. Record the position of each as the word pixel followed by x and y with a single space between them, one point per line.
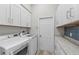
pixel 42 52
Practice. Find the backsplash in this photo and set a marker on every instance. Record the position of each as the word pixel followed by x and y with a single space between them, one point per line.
pixel 5 30
pixel 72 32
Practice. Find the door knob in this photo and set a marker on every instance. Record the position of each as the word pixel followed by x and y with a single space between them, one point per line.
pixel 40 35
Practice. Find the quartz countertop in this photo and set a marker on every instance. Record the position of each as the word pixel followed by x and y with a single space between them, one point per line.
pixel 9 43
pixel 12 42
pixel 68 46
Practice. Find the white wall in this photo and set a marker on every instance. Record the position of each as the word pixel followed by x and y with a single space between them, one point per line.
pixel 41 10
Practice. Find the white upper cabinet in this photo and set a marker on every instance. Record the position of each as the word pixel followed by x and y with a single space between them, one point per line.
pixel 28 19
pixel 61 14
pixel 15 15
pixel 4 13
pixel 25 18
pixel 76 12
pixel 65 14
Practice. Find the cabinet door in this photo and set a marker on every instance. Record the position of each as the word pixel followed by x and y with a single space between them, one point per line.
pixel 33 46
pixel 61 14
pixel 69 13
pixel 65 14
pixel 23 18
pixel 28 20
pixel 72 13
pixel 75 12
pixel 15 14
pixel 4 13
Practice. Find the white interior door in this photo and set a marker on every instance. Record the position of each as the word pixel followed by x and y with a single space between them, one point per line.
pixel 46 34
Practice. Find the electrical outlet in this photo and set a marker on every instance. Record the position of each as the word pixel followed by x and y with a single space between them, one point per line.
pixel 70 34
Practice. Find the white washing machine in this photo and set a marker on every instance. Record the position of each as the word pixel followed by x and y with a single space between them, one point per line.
pixel 14 46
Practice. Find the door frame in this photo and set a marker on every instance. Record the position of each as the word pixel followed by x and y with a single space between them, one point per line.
pixel 39 31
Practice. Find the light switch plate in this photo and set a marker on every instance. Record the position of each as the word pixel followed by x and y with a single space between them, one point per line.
pixel 70 34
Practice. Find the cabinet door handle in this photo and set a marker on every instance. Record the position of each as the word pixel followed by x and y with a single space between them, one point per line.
pixel 9 20
pixel 12 21
pixel 67 14
pixel 71 9
pixel 40 35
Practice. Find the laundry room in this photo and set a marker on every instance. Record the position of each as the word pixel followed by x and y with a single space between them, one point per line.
pixel 39 29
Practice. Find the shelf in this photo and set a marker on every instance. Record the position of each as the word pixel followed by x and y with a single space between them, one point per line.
pixel 71 24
